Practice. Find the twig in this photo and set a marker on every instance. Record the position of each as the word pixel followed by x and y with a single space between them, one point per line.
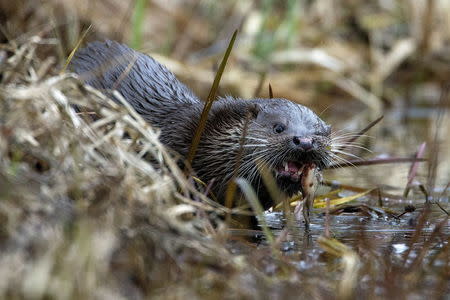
pixel 376 161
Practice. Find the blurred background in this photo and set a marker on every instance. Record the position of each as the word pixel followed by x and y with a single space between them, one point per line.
pixel 79 220
pixel 350 61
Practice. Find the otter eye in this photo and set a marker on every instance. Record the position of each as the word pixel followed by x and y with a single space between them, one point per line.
pixel 278 128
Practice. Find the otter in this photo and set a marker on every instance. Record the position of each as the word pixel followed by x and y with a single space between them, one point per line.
pixel 288 138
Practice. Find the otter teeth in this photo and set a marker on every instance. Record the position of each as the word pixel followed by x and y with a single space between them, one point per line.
pixel 289 169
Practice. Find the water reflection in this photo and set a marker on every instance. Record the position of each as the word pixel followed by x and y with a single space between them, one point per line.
pixel 382 232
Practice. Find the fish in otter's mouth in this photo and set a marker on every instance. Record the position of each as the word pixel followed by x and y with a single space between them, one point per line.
pixel 290 171
pixel 289 175
pixel 293 177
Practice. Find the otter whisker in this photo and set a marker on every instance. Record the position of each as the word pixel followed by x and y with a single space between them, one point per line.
pixel 339 159
pixel 346 143
pixel 254 145
pixel 345 153
pixel 350 137
pixel 338 145
pixel 326 159
pixel 262 140
pixel 342 132
pixel 258 152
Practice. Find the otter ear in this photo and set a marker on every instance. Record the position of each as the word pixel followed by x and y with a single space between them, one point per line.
pixel 223 111
pixel 254 110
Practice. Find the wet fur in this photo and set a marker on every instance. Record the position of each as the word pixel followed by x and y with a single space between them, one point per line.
pixel 166 103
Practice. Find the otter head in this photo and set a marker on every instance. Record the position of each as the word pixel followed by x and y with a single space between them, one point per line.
pixel 287 138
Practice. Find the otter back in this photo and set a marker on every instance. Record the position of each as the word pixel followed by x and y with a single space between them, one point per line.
pixel 139 78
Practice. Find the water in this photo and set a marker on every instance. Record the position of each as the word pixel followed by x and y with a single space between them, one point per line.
pixel 383 232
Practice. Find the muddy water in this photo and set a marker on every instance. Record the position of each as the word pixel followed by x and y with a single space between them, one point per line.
pixel 384 233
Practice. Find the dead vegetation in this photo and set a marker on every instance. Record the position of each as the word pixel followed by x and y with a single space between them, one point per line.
pixel 97 208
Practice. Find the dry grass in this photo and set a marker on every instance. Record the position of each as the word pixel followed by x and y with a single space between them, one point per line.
pixel 97 207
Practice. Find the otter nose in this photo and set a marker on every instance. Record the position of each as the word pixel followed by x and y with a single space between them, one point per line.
pixel 305 144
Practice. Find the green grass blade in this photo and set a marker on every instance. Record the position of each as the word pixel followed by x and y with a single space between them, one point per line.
pixel 252 199
pixel 209 101
pixel 231 188
pixel 69 59
pixel 138 20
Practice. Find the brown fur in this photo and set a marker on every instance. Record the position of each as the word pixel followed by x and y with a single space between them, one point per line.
pixel 166 103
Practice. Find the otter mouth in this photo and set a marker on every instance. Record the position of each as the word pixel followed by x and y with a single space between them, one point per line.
pixel 290 170
pixel 294 176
